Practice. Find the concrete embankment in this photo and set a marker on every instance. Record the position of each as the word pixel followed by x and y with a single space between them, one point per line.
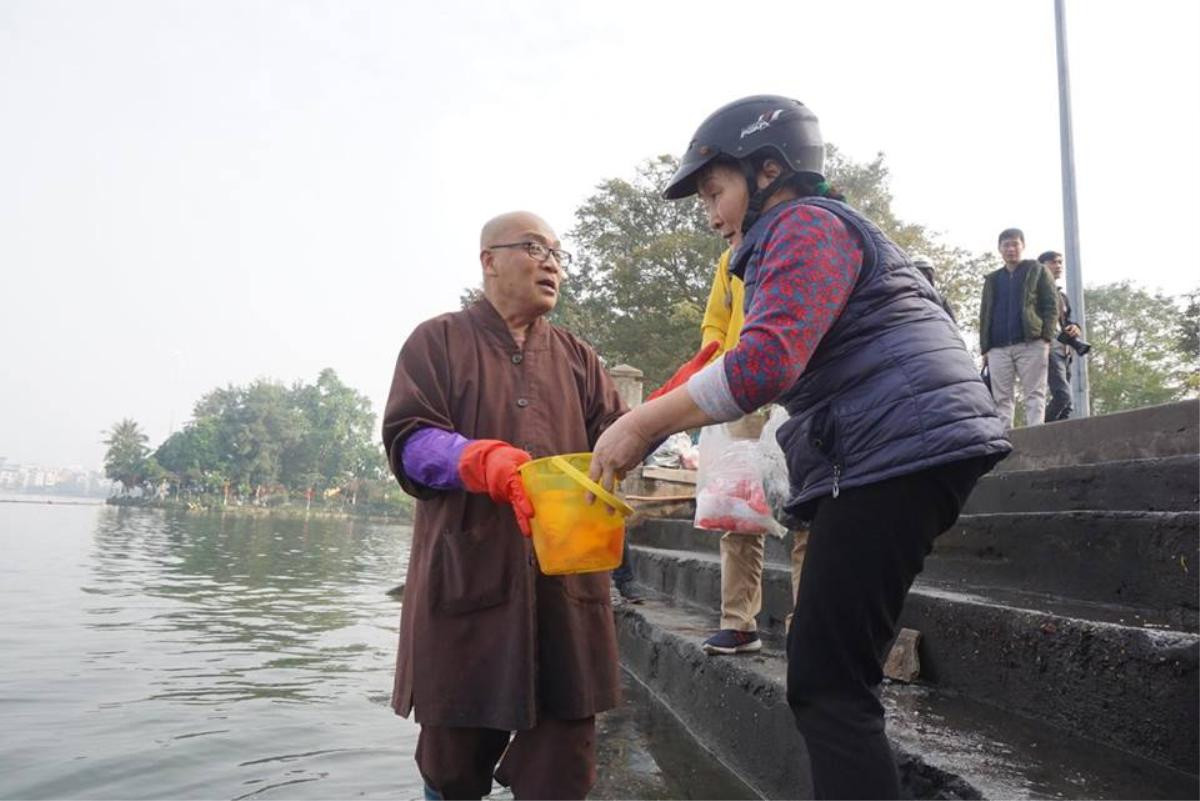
pixel 1059 645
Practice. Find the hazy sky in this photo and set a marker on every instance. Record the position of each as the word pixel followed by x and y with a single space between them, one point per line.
pixel 197 193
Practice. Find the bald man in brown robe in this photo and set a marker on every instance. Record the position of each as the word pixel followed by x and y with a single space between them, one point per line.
pixel 489 645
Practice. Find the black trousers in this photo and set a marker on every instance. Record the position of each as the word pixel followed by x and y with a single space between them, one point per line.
pixel 624 572
pixel 556 759
pixel 1058 382
pixel 865 548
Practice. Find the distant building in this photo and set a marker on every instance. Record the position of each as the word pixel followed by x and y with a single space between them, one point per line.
pixel 42 480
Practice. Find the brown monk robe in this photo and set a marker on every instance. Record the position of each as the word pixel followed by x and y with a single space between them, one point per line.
pixel 488 644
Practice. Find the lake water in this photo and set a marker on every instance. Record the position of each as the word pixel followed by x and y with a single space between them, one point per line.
pixel 150 654
pixel 153 654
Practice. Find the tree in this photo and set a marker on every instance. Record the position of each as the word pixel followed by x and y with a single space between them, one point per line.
pixel 265 436
pixel 266 439
pixel 959 273
pixel 1187 341
pixel 469 295
pixel 336 438
pixel 194 456
pixel 155 477
pixel 250 426
pixel 125 459
pixel 643 272
pixel 1135 358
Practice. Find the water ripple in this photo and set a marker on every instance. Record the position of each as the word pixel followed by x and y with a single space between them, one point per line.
pixel 172 655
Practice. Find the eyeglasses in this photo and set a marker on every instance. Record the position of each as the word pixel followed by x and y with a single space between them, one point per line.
pixel 539 252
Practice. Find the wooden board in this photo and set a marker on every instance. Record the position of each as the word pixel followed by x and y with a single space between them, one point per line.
pixel 671 474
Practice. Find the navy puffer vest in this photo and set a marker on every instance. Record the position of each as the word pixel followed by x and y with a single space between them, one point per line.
pixel 890 390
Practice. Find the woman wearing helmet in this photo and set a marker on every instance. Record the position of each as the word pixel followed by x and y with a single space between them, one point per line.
pixel 889 424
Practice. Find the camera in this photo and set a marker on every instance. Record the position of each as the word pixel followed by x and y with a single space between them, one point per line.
pixel 1077 344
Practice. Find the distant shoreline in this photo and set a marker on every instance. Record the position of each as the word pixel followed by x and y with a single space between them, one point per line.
pixel 375 514
pixel 288 511
pixel 57 501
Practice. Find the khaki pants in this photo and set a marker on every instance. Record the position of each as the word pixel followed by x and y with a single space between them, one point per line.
pixel 741 577
pixel 1028 363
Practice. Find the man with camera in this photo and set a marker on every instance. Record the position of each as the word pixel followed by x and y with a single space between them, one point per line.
pixel 1018 317
pixel 1059 375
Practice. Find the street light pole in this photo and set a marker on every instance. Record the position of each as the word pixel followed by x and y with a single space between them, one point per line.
pixel 1080 396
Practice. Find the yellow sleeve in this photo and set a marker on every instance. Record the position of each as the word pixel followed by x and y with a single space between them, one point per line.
pixel 719 310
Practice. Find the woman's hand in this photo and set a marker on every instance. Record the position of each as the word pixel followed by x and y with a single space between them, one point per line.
pixel 626 442
pixel 620 448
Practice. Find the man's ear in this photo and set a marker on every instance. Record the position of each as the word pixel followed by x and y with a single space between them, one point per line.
pixel 486 259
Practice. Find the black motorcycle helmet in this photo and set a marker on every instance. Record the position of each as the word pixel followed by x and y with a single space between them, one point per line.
pixel 748 131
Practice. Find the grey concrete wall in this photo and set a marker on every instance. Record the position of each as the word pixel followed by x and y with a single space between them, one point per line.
pixel 1172 429
pixel 1066 594
pixel 1144 562
pixel 1170 484
pixel 1130 687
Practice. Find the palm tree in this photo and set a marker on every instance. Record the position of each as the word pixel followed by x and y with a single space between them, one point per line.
pixel 125 459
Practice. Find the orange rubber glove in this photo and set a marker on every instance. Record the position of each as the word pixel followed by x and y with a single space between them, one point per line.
pixel 489 465
pixel 689 369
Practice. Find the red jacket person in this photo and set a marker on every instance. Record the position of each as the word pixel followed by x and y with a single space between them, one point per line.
pixel 488 644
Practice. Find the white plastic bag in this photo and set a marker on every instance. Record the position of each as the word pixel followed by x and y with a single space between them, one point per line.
pixel 676 451
pixel 730 490
pixel 774 469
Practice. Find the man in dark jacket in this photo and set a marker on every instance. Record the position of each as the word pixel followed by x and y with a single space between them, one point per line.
pixel 1018 318
pixel 1061 355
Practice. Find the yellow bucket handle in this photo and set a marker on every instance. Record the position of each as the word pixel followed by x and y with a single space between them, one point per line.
pixel 591 486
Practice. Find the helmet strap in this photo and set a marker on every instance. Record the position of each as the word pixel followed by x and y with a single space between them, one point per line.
pixel 759 197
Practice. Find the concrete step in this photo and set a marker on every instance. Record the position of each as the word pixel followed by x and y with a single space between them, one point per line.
pixel 1170 484
pixel 947 746
pixel 1172 429
pixel 681 535
pixel 1078 666
pixel 644 751
pixel 1147 562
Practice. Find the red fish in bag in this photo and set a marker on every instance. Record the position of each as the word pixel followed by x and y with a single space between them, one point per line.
pixel 739 506
pixel 729 487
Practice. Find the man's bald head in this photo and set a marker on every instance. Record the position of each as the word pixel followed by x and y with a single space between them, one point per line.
pixel 511 227
pixel 520 286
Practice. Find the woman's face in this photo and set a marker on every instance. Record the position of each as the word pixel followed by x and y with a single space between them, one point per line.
pixel 722 191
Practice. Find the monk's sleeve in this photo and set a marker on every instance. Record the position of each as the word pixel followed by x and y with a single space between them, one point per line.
pixel 602 404
pixel 419 399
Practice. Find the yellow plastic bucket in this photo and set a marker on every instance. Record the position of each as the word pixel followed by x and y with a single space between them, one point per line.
pixel 569 534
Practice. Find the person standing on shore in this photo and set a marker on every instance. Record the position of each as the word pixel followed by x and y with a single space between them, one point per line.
pixel 504 668
pixel 1018 315
pixel 889 426
pixel 1058 376
pixel 741 554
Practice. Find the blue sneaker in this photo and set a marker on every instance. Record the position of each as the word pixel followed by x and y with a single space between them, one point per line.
pixel 730 641
pixel 628 594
